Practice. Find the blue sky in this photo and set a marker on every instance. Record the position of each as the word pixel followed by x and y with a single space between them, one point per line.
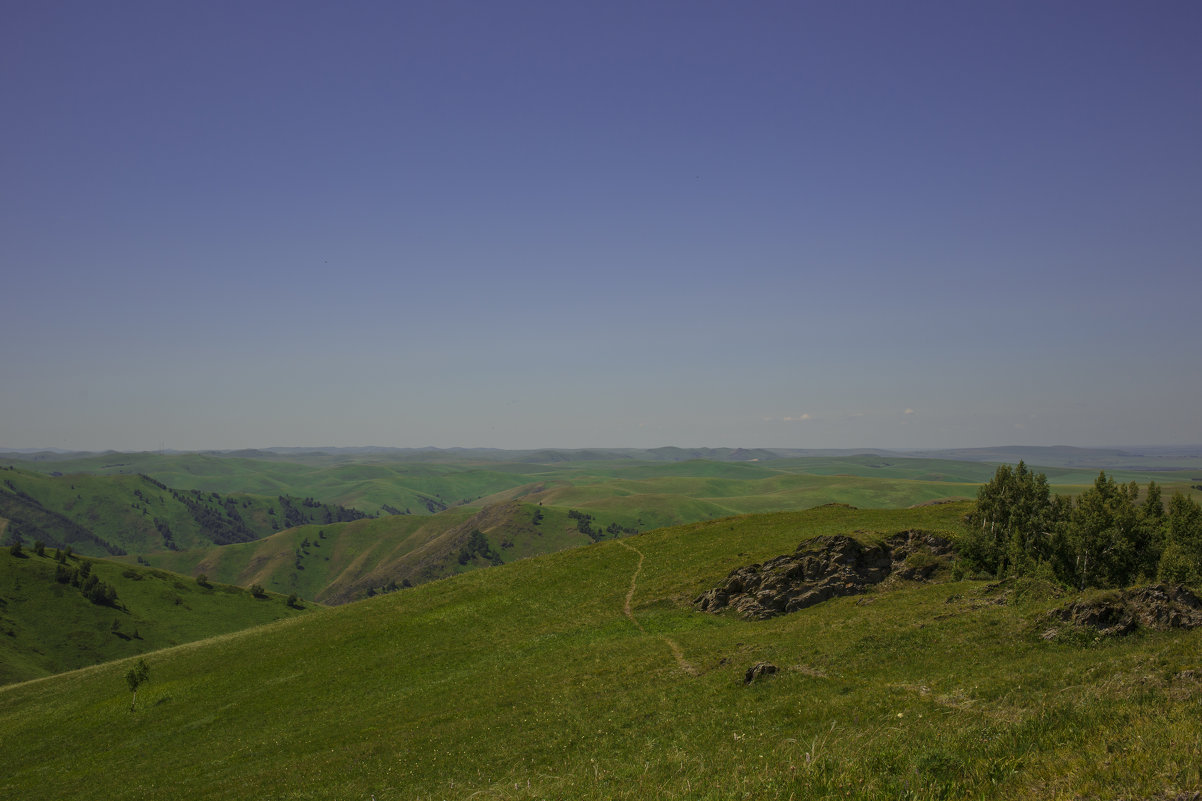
pixel 546 224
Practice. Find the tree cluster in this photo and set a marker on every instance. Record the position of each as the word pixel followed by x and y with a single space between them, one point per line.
pixel 29 520
pixel 89 585
pixel 1107 537
pixel 478 545
pixel 223 525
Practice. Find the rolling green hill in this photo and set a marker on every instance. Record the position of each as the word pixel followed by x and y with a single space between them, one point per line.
pixel 49 626
pixel 374 555
pixel 383 483
pixel 344 562
pixel 369 486
pixel 587 674
pixel 125 506
pixel 117 514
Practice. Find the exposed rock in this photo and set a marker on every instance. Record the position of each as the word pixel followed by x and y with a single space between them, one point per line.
pixel 822 568
pixel 1159 607
pixel 757 670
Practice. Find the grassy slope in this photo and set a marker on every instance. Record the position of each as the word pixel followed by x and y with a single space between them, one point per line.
pixel 49 627
pixel 342 562
pixel 374 554
pixel 364 485
pixel 123 510
pixel 528 681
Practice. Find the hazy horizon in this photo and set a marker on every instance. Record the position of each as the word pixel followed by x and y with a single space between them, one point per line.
pixel 993 447
pixel 853 225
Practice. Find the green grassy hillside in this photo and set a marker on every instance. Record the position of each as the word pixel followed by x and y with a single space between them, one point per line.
pixel 587 674
pixel 661 500
pixel 367 485
pixel 121 510
pixel 116 514
pixel 48 626
pixel 671 492
pixel 344 562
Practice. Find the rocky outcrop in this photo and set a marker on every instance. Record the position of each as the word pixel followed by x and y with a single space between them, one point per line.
pixel 1159 607
pixel 759 670
pixel 823 568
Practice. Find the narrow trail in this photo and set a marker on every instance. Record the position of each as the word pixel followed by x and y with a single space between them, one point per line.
pixel 628 610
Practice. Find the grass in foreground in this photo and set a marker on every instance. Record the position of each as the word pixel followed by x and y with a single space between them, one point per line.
pixel 528 681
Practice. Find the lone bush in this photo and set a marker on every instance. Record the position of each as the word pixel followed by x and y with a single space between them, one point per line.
pixel 138 675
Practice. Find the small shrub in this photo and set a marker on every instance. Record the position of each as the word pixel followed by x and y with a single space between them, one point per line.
pixel 138 675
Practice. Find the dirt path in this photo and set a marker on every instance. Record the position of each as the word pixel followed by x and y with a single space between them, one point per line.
pixel 627 609
pixel 634 583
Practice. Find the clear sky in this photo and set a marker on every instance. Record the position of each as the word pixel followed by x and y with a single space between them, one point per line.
pixel 563 224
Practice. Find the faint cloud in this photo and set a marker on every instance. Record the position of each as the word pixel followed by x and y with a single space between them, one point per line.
pixel 909 411
pixel 805 416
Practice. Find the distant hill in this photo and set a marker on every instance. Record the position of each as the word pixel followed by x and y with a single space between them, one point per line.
pixel 340 563
pixel 1181 457
pixel 368 485
pixel 49 626
pixel 107 515
pixel 1109 459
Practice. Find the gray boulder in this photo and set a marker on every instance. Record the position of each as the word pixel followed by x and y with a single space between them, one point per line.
pixel 822 568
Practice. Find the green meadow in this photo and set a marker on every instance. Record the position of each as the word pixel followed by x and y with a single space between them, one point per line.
pixel 105 515
pixel 48 627
pixel 530 680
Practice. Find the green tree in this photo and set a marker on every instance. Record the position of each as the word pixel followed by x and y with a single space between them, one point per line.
pixel 1108 540
pixel 1181 561
pixel 1013 526
pixel 138 675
